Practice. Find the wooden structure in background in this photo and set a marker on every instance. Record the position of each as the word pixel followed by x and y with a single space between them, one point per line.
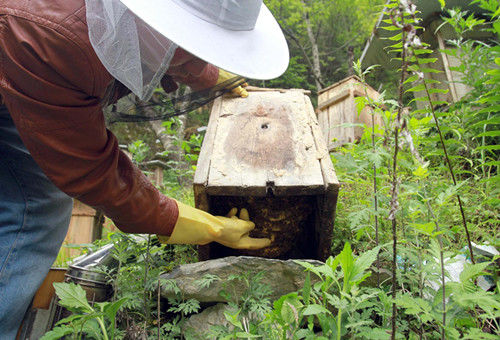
pixel 46 291
pixel 376 49
pixel 85 226
pixel 266 153
pixel 449 80
pixel 337 107
pixel 156 176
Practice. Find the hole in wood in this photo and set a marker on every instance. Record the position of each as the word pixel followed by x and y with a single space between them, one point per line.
pixel 270 188
pixel 265 126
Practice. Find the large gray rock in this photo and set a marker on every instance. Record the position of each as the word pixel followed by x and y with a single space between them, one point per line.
pixel 198 326
pixel 282 277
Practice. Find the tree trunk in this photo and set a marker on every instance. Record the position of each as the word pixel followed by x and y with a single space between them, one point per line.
pixel 350 53
pixel 167 141
pixel 314 48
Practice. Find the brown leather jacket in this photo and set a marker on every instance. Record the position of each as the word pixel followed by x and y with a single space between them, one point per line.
pixel 53 85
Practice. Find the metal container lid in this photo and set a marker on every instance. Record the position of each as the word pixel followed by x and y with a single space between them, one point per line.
pixel 85 267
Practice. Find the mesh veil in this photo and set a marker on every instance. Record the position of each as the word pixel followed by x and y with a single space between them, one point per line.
pixel 131 51
pixel 138 57
pixel 167 107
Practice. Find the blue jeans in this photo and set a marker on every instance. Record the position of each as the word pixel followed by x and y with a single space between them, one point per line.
pixel 34 218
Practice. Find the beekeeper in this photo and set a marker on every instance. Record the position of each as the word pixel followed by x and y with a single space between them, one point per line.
pixel 61 62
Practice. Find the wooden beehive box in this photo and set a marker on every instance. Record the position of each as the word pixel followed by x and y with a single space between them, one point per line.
pixel 337 106
pixel 266 153
pixel 85 227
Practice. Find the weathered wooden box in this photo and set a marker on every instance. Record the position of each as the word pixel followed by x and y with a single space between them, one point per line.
pixel 266 153
pixel 337 106
pixel 85 227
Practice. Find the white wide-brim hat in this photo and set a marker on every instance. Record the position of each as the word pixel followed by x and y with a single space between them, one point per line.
pixel 201 28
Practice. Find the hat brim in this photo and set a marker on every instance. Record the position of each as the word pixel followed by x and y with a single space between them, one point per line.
pixel 261 53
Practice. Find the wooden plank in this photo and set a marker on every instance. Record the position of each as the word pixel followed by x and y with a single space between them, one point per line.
pixel 334 119
pixel 322 120
pixel 340 114
pixel 446 66
pixel 201 201
pixel 460 88
pixel 327 202
pixel 324 114
pixel 340 84
pixel 46 291
pixel 338 97
pixel 326 129
pixel 80 209
pixel 203 165
pixel 327 170
pixel 264 89
pixel 264 141
pixel 80 231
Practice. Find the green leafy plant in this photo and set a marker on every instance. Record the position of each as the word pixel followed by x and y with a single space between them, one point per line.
pixel 97 322
pixel 139 150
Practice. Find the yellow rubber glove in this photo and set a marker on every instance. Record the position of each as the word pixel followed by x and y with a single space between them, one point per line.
pixel 195 226
pixel 224 75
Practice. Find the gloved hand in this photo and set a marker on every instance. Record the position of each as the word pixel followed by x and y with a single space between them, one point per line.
pixel 224 76
pixel 196 226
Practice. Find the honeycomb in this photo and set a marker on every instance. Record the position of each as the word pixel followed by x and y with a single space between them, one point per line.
pixel 285 220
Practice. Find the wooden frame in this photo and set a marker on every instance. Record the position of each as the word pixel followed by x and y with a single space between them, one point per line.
pixel 268 145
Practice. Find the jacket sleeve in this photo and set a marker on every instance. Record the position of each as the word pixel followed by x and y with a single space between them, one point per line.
pixel 52 86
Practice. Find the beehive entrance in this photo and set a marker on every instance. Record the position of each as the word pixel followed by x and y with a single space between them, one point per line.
pixel 287 221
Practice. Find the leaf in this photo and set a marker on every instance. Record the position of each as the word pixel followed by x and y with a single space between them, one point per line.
pixel 72 296
pixel 278 304
pixel 58 333
pixel 494 133
pixel 427 60
pixel 306 290
pixel 92 328
pixel 484 300
pixel 305 334
pixel 186 307
pixel 362 263
pixel 233 319
pixel 206 281
pixel 471 271
pixel 478 334
pixel 346 261
pixel 315 309
pixel 418 88
pixel 489 147
pixel 288 312
pixel 246 335
pixel 110 309
pixel 435 90
pixel 413 305
pixel 73 318
pixel 376 333
pixel 424 228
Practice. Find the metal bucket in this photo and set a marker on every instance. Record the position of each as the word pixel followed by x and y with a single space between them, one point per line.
pixel 84 271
